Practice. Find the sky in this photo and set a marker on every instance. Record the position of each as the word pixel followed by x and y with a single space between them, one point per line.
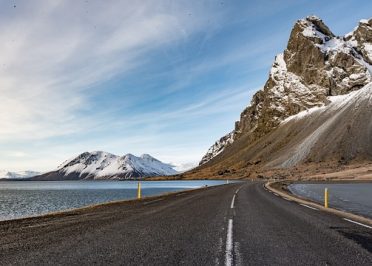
pixel 162 77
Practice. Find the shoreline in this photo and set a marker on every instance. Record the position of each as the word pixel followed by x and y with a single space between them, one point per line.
pixel 341 181
pixel 87 208
pixel 147 179
pixel 281 188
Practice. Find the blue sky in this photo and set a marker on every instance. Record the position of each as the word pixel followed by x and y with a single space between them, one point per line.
pixel 161 77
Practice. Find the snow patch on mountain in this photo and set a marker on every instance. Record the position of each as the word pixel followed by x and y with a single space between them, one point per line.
pixel 311 28
pixel 218 147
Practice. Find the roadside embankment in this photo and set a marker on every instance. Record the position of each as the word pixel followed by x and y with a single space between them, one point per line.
pixel 281 188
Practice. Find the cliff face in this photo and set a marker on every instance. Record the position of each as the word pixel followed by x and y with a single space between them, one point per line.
pixel 315 65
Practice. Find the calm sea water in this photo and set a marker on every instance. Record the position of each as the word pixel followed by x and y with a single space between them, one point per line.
pixel 29 198
pixel 355 198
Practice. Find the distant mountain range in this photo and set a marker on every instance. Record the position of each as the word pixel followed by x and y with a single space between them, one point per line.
pixel 316 105
pixel 104 165
pixel 17 175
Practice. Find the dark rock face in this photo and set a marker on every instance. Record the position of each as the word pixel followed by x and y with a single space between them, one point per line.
pixel 316 64
pixel 362 39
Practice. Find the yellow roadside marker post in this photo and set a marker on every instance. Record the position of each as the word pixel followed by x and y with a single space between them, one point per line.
pixel 139 190
pixel 326 197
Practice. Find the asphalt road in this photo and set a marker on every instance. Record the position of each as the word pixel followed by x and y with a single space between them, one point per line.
pixel 237 224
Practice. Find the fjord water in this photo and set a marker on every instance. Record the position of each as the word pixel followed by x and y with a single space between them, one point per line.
pixel 29 198
pixel 355 198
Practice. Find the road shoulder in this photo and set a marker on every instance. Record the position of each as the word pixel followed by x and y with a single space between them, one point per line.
pixel 279 187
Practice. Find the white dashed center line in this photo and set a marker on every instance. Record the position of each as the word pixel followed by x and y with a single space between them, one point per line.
pixel 229 244
pixel 233 202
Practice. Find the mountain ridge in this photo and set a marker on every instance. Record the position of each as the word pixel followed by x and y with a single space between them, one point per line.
pixel 104 165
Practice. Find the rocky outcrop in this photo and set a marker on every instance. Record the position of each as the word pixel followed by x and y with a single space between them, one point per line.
pixel 218 147
pixel 361 38
pixel 316 64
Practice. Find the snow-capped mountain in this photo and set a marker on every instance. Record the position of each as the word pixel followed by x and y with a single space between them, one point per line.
pixel 104 165
pixel 17 175
pixel 315 66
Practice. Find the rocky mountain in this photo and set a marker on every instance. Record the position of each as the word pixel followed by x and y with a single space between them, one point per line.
pixel 340 131
pixel 315 66
pixel 17 175
pixel 218 147
pixel 103 165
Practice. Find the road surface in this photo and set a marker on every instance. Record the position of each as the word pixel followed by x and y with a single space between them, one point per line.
pixel 236 224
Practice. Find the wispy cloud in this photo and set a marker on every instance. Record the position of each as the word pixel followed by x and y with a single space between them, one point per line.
pixel 53 52
pixel 54 55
